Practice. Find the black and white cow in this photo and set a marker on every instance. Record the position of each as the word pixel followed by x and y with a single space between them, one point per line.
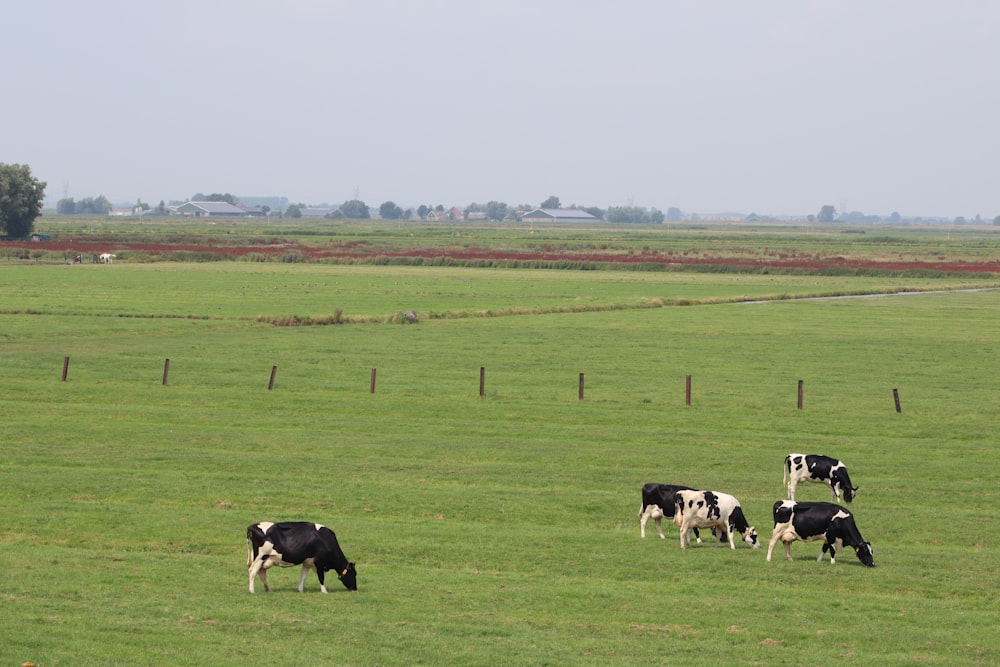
pixel 658 502
pixel 818 521
pixel 817 468
pixel 712 509
pixel 311 545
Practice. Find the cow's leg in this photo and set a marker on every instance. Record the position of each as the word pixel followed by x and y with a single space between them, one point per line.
pixel 684 534
pixel 770 546
pixel 732 543
pixel 792 483
pixel 788 550
pixel 643 518
pixel 321 575
pixel 697 536
pixel 254 568
pixel 658 522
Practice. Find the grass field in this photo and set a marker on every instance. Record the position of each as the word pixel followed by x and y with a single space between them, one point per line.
pixel 488 530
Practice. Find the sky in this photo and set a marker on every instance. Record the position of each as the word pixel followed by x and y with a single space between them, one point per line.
pixel 776 108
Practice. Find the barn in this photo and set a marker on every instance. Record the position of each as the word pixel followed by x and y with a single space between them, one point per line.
pixel 558 215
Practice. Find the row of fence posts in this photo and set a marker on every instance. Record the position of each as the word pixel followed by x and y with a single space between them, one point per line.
pixel 482 383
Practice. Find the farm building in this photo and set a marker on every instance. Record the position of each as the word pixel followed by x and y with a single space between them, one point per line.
pixel 211 209
pixel 558 215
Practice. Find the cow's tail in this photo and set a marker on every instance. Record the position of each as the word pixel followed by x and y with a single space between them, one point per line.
pixel 249 548
pixel 786 469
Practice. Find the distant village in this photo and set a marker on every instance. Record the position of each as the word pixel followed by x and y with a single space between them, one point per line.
pixel 550 211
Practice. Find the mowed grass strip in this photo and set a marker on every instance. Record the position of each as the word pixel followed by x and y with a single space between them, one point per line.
pixel 499 529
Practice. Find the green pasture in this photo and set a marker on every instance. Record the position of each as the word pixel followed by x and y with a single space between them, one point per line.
pixel 496 529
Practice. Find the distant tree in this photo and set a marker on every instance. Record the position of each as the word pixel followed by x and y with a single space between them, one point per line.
pixel 595 211
pixel 826 214
pixel 21 197
pixel 551 202
pixel 894 217
pixel 674 214
pixel 355 209
pixel 94 206
pixel 294 211
pixel 215 196
pixel 634 214
pixel 496 210
pixel 960 220
pixel 66 206
pixel 439 208
pixel 161 209
pixel 422 211
pixel 996 221
pixel 389 211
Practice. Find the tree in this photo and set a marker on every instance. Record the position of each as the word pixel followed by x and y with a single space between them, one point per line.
pixel 21 197
pixel 390 211
pixel 423 210
pixel 66 206
pixel 216 196
pixel 496 210
pixel 294 211
pixel 355 209
pixel 551 202
pixel 826 214
pixel 674 214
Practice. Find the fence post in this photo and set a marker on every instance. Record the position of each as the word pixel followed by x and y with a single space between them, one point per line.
pixel 687 390
pixel 274 371
pixel 581 386
pixel 895 397
pixel 800 394
pixel 371 389
pixel 482 380
pixel 65 368
pixel 166 370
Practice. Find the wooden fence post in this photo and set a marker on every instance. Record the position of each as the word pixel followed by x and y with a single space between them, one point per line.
pixel 895 397
pixel 166 370
pixel 581 386
pixel 482 380
pixel 371 389
pixel 687 390
pixel 65 368
pixel 274 371
pixel 800 394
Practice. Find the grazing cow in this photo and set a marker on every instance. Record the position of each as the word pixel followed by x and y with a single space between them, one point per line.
pixel 658 502
pixel 711 509
pixel 816 468
pixel 311 545
pixel 818 521
pixel 105 258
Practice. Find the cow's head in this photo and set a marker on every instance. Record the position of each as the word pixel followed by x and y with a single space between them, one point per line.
pixel 349 577
pixel 864 552
pixel 849 492
pixel 750 537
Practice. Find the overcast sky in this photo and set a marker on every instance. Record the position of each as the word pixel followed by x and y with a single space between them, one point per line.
pixel 773 107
